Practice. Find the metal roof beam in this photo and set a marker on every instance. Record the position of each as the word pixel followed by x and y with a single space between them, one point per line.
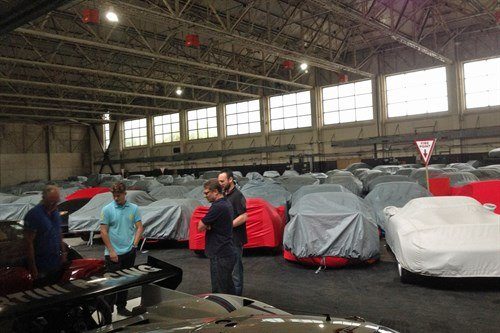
pixel 45 108
pixel 354 16
pixel 35 116
pixel 103 91
pixel 125 76
pixel 150 55
pixel 256 44
pixel 74 100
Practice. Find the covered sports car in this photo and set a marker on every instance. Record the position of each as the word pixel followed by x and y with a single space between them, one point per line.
pixel 273 193
pixel 304 190
pixel 331 229
pixel 486 192
pixel 444 237
pixel 351 183
pixel 87 218
pixel 395 194
pixel 169 192
pixel 265 225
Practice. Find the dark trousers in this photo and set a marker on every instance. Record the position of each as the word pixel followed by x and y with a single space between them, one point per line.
pixel 126 260
pixel 238 270
pixel 221 269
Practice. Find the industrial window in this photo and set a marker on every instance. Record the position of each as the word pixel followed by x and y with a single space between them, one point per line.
pixel 135 133
pixel 107 133
pixel 243 118
pixel 202 123
pixel 419 92
pixel 482 83
pixel 348 103
pixel 167 128
pixel 290 111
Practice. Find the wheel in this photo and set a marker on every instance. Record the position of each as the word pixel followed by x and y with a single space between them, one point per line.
pixel 404 275
pixel 95 314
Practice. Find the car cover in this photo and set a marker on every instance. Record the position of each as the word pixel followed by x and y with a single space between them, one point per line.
pixel 87 218
pixel 271 174
pixel 290 173
pixel 445 236
pixel 420 177
pixel 460 178
pixel 273 193
pixel 351 183
pixel 332 224
pixel 387 179
pixel 486 174
pixel 165 179
pixel 304 190
pixel 395 194
pixel 7 198
pixel 197 194
pixel 146 184
pixel 14 211
pixel 87 193
pixel 168 218
pixel 390 169
pixel 169 192
pixel 253 175
pixel 210 174
pixel 484 192
pixel 494 153
pixel 264 226
pixel 292 184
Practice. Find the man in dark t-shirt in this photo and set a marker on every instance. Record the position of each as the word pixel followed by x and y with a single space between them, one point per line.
pixel 42 233
pixel 218 224
pixel 238 202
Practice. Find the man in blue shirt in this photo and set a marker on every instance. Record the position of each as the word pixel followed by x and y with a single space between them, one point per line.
pixel 218 224
pixel 121 231
pixel 42 233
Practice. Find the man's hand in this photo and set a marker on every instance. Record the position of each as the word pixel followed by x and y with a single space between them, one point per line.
pixel 113 256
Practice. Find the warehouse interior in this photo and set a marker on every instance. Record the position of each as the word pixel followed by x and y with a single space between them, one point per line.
pixel 173 87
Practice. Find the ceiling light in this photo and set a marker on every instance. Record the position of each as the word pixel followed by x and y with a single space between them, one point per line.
pixel 303 66
pixel 178 91
pixel 111 15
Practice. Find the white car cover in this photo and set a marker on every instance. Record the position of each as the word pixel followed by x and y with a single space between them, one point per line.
pixel 332 224
pixel 445 236
pixel 87 218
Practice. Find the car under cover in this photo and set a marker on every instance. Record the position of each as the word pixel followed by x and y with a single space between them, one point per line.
pixel 59 308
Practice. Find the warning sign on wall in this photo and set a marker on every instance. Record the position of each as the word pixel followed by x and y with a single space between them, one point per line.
pixel 425 148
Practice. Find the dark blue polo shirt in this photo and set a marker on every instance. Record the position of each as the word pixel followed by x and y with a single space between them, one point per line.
pixel 47 243
pixel 219 239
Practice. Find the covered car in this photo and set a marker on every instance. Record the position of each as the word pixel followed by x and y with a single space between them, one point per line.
pixel 87 218
pixel 169 192
pixel 6 198
pixel 273 193
pixel 351 183
pixel 420 175
pixel 168 218
pixel 331 229
pixel 486 192
pixel 304 190
pixel 292 183
pixel 395 194
pixel 265 225
pixel 197 194
pixel 16 210
pixel 146 184
pixel 387 179
pixel 444 237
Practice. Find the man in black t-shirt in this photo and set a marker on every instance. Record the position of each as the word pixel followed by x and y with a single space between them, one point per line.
pixel 218 224
pixel 237 200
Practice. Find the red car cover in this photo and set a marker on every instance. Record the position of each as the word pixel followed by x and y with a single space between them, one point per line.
pixel 439 186
pixel 265 225
pixel 333 262
pixel 487 191
pixel 87 193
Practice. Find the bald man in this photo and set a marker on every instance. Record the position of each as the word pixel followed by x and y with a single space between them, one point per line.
pixel 42 233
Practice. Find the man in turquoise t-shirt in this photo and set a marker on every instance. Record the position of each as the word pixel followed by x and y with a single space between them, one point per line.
pixel 121 230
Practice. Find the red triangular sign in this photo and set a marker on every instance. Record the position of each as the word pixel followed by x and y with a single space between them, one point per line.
pixel 425 148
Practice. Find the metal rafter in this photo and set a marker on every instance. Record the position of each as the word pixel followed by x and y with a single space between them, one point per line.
pixel 354 16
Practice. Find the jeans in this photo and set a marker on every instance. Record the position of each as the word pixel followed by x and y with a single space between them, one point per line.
pixel 125 260
pixel 220 274
pixel 238 270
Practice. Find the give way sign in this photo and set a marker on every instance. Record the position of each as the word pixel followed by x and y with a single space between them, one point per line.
pixel 425 148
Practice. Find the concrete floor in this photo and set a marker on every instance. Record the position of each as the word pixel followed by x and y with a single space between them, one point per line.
pixel 371 292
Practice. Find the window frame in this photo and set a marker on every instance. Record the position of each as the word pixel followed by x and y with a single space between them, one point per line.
pixel 248 122
pixel 464 92
pixel 418 115
pixel 124 138
pixel 350 123
pixel 207 128
pixel 153 126
pixel 270 119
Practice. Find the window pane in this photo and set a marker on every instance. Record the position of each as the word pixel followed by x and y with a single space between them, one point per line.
pixel 350 98
pixel 212 122
pixel 176 137
pixel 254 105
pixel 231 119
pixel 363 100
pixel 243 129
pixel 364 114
pixel 347 116
pixel 290 123
pixel 193 135
pixel 346 90
pixel 304 121
pixel 230 108
pixel 254 127
pixel 289 99
pixel 232 130
pixel 363 87
pixel 191 115
pixel 303 109
pixel 202 134
pixel 303 97
pixel 212 132
pixel 276 113
pixel 212 112
pixel 331 118
pixel 277 125
pixel 330 92
pixel 275 101
pixel 287 117
pixel 418 92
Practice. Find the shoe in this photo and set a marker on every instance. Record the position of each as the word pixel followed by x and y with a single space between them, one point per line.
pixel 124 312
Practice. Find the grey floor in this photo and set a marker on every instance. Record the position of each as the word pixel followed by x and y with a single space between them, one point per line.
pixel 371 292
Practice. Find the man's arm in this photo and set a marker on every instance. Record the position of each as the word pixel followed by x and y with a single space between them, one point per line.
pixel 202 226
pixel 29 238
pixel 240 220
pixel 139 229
pixel 105 238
